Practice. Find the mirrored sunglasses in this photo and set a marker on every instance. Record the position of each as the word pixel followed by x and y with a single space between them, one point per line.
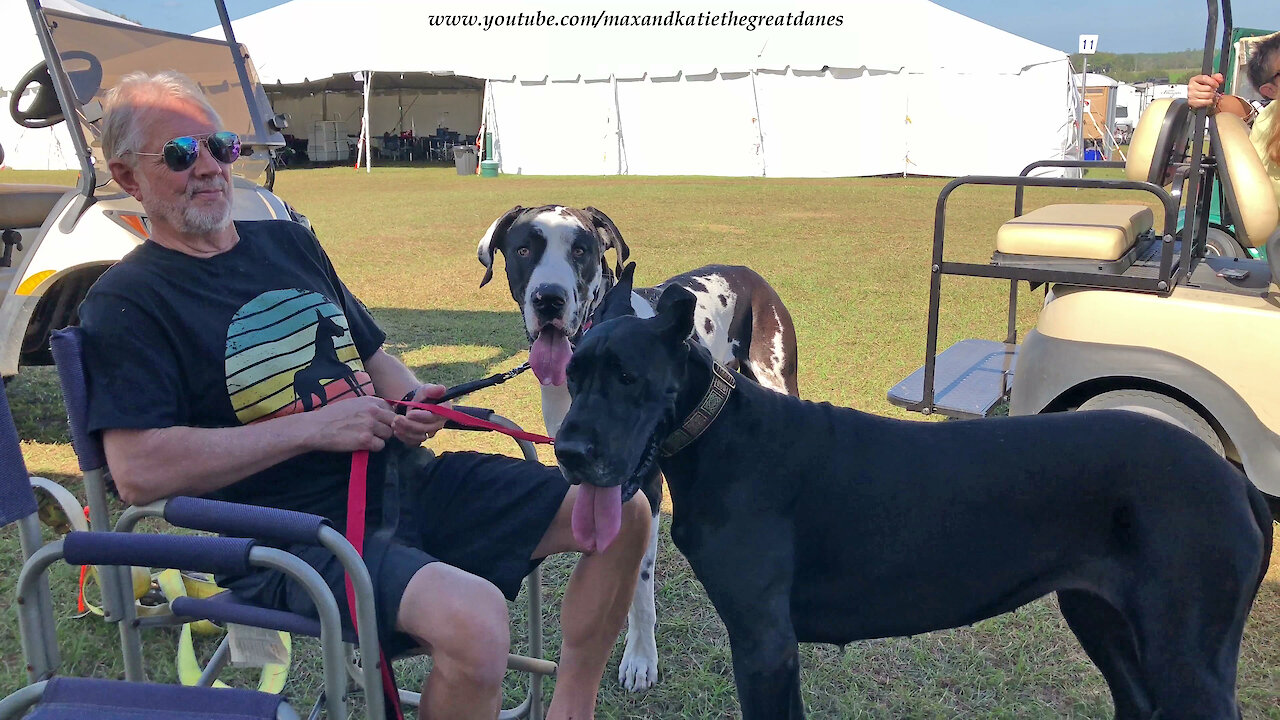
pixel 180 153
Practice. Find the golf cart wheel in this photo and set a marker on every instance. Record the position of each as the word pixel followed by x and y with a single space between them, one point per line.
pixel 1220 243
pixel 1155 405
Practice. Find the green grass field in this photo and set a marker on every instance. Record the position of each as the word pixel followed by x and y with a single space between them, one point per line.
pixel 849 257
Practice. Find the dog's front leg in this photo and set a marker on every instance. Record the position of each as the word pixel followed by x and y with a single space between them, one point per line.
pixel 748 577
pixel 639 667
pixel 555 405
pixel 766 667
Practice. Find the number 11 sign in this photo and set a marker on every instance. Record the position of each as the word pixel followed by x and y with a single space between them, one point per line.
pixel 1088 44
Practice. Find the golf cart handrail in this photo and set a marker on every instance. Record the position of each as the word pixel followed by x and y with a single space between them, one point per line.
pixel 1165 279
pixel 1018 192
pixel 1198 191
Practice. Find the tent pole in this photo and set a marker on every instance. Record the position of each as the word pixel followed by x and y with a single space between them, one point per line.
pixel 755 99
pixel 368 86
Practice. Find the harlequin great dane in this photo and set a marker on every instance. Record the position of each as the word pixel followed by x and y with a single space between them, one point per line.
pixel 557 273
pixel 811 523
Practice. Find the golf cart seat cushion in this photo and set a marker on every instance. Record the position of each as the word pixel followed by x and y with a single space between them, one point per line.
pixel 1247 186
pixel 1159 132
pixel 26 206
pixel 1091 232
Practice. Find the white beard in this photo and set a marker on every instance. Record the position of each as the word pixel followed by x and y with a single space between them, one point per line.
pixel 193 219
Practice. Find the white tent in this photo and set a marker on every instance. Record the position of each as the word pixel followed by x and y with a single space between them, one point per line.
pixel 24 148
pixel 877 88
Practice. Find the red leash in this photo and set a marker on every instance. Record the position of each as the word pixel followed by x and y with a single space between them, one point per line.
pixel 357 497
pixel 462 418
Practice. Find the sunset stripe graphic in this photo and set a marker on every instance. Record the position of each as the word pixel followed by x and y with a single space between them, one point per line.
pixel 273 337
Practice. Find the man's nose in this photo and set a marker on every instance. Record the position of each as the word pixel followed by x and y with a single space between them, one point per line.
pixel 206 165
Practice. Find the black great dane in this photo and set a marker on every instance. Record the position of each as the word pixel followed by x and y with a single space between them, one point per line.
pixel 812 523
pixel 558 273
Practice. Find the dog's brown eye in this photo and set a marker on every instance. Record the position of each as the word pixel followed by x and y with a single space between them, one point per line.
pixel 522 252
pixel 578 252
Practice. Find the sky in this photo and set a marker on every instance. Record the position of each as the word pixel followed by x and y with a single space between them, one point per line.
pixel 1121 25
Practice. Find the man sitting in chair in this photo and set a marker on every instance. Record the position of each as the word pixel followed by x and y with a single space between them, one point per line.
pixel 228 360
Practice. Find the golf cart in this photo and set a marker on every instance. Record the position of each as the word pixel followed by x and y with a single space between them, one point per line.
pixel 1136 315
pixel 58 240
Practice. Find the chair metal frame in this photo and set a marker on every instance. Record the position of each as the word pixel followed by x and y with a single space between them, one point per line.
pixel 118 601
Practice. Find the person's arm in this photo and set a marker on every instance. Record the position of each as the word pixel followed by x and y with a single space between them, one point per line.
pixel 150 464
pixel 393 380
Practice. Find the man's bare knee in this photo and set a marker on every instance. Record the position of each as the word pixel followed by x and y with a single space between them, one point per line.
pixel 463 619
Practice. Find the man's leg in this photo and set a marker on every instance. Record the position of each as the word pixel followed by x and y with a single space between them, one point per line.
pixel 595 603
pixel 463 619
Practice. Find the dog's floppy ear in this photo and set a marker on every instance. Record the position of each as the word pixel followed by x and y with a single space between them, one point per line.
pixel 609 235
pixel 675 313
pixel 493 239
pixel 617 302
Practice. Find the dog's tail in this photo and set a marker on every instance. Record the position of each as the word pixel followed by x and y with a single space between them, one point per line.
pixel 1262 514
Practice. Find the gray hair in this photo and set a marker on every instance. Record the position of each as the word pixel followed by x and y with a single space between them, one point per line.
pixel 131 98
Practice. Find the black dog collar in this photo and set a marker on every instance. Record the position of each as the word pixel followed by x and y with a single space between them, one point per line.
pixel 722 384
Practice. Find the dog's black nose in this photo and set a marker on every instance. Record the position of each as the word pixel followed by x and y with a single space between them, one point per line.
pixel 549 300
pixel 574 454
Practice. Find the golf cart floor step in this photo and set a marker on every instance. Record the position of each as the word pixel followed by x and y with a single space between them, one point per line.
pixel 970 379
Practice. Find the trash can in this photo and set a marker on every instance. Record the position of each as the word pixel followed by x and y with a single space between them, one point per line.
pixel 488 168
pixel 464 158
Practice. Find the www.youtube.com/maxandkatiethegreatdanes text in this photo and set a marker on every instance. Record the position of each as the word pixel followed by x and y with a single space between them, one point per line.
pixel 606 19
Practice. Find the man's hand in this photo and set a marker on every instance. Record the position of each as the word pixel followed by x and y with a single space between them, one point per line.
pixel 415 426
pixel 1202 90
pixel 362 423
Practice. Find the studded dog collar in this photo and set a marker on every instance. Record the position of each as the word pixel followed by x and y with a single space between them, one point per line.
pixel 722 385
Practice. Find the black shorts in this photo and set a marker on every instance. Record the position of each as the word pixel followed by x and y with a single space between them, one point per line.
pixel 484 514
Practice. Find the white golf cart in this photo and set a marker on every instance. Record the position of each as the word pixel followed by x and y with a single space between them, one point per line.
pixel 1136 315
pixel 58 240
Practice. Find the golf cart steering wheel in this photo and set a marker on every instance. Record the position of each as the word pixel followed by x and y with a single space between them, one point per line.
pixel 1161 139
pixel 45 110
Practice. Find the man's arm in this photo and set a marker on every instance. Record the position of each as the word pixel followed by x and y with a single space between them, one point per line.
pixel 151 464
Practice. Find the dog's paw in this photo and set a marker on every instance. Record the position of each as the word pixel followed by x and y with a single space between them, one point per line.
pixel 638 670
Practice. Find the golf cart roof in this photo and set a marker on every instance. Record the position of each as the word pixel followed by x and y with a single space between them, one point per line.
pixel 93 54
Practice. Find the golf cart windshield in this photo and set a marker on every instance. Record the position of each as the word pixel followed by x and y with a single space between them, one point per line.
pixel 95 54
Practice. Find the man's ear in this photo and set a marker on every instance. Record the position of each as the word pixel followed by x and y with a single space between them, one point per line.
pixel 675 313
pixel 617 302
pixel 126 176
pixel 610 236
pixel 493 239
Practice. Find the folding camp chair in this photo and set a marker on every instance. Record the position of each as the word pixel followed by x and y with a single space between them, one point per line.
pixel 47 696
pixel 268 524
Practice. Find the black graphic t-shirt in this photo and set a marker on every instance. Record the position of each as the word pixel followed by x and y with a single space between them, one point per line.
pixel 263 330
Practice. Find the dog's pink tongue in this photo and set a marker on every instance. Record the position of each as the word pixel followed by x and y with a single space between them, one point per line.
pixel 549 356
pixel 597 515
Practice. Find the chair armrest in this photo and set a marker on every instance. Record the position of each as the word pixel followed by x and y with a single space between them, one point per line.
pixel 475 412
pixel 240 520
pixel 228 556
